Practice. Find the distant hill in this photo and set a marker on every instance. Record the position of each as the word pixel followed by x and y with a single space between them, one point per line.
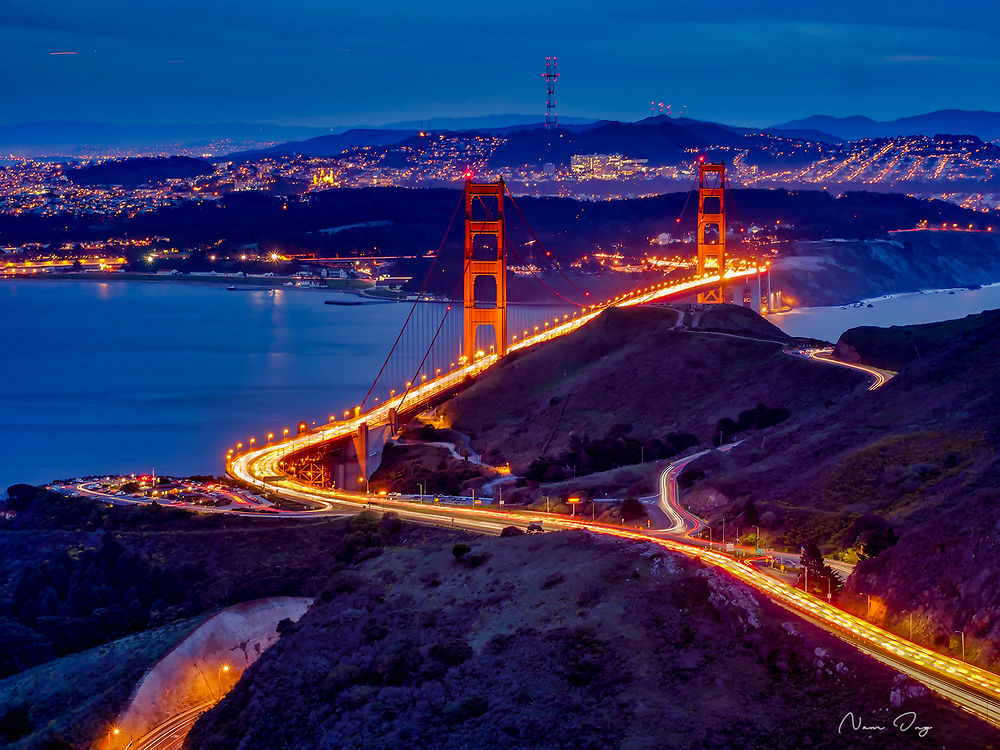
pixel 659 139
pixel 328 145
pixel 73 138
pixel 483 122
pixel 985 125
pixel 139 171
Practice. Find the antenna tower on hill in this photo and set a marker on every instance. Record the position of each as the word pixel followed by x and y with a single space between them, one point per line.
pixel 550 77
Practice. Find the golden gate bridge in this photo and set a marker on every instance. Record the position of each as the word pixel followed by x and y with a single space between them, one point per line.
pixel 443 346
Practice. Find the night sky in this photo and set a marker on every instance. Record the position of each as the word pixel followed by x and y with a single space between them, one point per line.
pixel 329 63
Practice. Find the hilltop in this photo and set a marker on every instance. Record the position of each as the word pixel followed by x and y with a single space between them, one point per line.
pixel 656 369
pixel 560 640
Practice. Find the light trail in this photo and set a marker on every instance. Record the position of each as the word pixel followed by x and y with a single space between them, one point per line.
pixel 970 687
pixel 879 377
pixel 171 733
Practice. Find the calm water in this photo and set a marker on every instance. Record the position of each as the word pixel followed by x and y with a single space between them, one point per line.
pixel 132 376
pixel 828 323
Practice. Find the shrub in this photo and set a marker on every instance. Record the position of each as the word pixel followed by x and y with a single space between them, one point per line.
pixel 466 708
pixel 451 653
pixel 632 509
pixel 460 550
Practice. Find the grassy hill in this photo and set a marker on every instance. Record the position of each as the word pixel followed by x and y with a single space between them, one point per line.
pixel 561 640
pixel 914 461
pixel 635 367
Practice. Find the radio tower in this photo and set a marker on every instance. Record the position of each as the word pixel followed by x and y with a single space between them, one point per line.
pixel 550 77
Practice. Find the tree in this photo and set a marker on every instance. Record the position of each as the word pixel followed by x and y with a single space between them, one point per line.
pixel 19 496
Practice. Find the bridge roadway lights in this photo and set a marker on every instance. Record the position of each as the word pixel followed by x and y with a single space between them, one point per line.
pixel 385 416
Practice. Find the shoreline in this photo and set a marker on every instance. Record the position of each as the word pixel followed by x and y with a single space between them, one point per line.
pixel 354 287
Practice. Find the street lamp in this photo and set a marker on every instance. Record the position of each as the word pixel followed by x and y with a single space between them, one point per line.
pixel 962 633
pixel 284 433
pixel 113 732
pixel 421 486
pixel 869 613
pixel 547 504
pixel 269 436
pixel 756 539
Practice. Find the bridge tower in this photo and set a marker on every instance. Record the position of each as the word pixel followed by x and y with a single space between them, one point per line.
pixel 711 226
pixel 486 263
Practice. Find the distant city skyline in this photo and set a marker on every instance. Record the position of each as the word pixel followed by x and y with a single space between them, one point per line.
pixel 311 63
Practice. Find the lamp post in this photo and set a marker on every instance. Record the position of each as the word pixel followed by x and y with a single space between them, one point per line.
pixel 113 732
pixel 421 486
pixel 269 436
pixel 547 504
pixel 962 633
pixel 756 539
pixel 869 612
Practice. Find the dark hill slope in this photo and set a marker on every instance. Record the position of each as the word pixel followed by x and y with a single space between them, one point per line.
pixel 632 366
pixel 897 346
pixel 139 171
pixel 558 641
pixel 921 454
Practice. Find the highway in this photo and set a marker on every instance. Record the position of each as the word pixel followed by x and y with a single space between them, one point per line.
pixel 170 734
pixel 970 687
pixel 878 377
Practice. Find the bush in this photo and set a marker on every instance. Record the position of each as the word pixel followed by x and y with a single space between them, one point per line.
pixel 511 531
pixel 451 653
pixel 19 496
pixel 632 509
pixel 466 708
pixel 460 550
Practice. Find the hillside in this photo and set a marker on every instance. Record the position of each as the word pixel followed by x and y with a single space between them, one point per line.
pixel 836 271
pixel 636 367
pixel 897 346
pixel 914 461
pixel 560 640
pixel 133 568
pixel 139 171
pixel 67 702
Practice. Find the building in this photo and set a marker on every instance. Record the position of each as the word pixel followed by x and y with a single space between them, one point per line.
pixel 605 166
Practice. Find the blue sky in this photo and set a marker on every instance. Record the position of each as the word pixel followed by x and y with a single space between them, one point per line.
pixel 329 63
